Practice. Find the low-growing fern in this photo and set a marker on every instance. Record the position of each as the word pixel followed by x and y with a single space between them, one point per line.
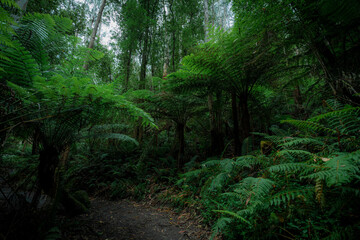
pixel 307 175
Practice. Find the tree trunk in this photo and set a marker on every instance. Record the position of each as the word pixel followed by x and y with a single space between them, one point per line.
pixel 298 111
pixel 214 134
pixel 225 16
pixel 167 50
pixel 236 124
pixel 128 69
pixel 144 59
pixel 49 160
pixel 245 117
pixel 180 133
pixel 206 19
pixel 93 35
pixel 219 124
pixel 22 4
pixel 35 143
pixel 173 51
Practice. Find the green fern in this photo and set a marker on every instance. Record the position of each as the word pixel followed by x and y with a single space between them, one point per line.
pixel 254 189
pixel 291 168
pixel 296 142
pixel 339 170
pixel 237 216
pixel 310 126
pixel 219 226
pixel 283 197
pixel 249 161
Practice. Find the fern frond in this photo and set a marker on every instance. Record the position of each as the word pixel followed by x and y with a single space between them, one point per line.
pixel 219 226
pixel 339 170
pixel 290 194
pixel 10 3
pixel 247 161
pixel 190 175
pixel 292 142
pixel 116 136
pixel 354 111
pixel 219 181
pixel 290 168
pixel 319 191
pixel 254 188
pixel 233 214
pixel 296 154
pixel 310 126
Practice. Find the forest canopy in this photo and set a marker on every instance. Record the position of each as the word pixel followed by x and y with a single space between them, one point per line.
pixel 245 113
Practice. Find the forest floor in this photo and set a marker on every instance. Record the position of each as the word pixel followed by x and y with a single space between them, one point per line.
pixel 126 219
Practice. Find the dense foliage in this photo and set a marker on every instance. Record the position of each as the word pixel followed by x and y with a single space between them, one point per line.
pixel 245 112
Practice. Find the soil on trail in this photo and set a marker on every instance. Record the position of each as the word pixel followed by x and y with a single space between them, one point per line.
pixel 125 220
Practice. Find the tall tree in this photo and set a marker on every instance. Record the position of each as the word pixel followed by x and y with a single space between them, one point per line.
pixel 94 32
pixel 216 136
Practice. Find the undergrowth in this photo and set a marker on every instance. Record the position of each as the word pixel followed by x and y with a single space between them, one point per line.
pixel 307 188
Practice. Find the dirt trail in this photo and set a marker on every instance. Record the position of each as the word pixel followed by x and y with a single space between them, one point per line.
pixel 125 220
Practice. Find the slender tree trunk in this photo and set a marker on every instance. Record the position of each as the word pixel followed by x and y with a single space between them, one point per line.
pixel 219 130
pixel 212 123
pixel 167 50
pixel 22 4
pixel 206 19
pixel 225 16
pixel 36 142
pixel 173 36
pixel 180 133
pixel 173 50
pixel 49 160
pixel 216 138
pixel 214 148
pixel 216 133
pixel 245 117
pixel 144 59
pixel 236 124
pixel 94 32
pixel 128 69
pixel 298 102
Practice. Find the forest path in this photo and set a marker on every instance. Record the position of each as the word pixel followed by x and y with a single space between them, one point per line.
pixel 125 220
